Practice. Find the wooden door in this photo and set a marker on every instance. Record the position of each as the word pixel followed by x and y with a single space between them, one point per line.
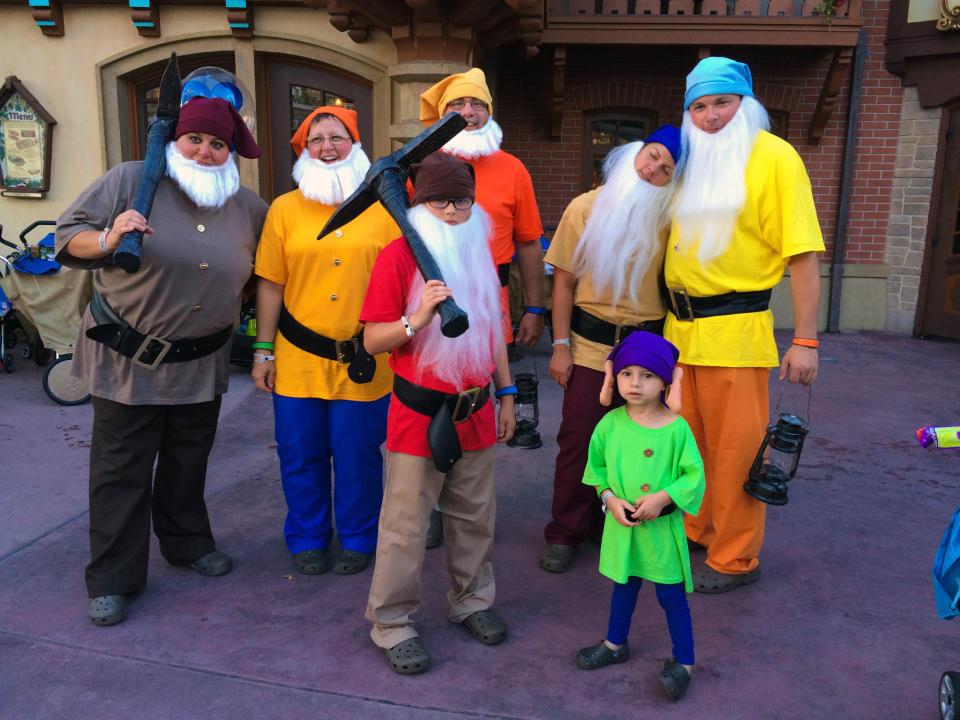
pixel 294 88
pixel 940 314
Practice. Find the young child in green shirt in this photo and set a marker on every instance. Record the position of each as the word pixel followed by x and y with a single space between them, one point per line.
pixel 645 465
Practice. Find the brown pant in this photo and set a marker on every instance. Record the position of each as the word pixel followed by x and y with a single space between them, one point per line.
pixel 125 491
pixel 727 410
pixel 466 496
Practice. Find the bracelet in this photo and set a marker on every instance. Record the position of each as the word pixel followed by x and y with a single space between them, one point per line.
pixel 507 390
pixel 562 341
pixel 102 240
pixel 603 500
pixel 805 342
pixel 407 327
pixel 260 358
pixel 262 345
pixel 535 310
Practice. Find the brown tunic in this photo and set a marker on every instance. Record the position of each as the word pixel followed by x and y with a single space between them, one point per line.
pixel 193 269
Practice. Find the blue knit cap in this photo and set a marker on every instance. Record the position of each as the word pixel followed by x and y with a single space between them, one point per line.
pixel 669 137
pixel 718 76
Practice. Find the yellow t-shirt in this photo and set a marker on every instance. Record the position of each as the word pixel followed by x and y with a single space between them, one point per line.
pixel 324 282
pixel 587 353
pixel 778 221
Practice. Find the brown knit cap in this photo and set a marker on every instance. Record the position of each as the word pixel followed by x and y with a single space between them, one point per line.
pixel 441 175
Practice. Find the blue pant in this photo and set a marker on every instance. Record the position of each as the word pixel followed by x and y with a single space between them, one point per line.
pixel 310 432
pixel 673 600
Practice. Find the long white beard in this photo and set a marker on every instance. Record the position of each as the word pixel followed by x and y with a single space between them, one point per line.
pixel 620 238
pixel 463 255
pixel 208 186
pixel 331 183
pixel 476 143
pixel 712 187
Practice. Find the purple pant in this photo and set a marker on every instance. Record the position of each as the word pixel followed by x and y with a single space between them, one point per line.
pixel 576 508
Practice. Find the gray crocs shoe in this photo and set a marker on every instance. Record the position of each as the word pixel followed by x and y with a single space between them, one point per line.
pixel 213 564
pixel 486 626
pixel 409 657
pixel 107 609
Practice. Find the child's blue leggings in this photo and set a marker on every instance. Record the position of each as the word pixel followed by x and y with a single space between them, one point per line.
pixel 673 600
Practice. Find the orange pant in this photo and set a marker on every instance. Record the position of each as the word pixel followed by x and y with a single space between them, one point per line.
pixel 505 320
pixel 727 409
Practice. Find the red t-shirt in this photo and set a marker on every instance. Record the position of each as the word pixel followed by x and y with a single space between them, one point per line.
pixel 390 281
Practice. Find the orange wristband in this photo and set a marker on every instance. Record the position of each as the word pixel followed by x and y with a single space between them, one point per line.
pixel 806 343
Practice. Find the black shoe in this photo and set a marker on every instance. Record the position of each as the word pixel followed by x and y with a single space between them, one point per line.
pixel 435 529
pixel 350 562
pixel 599 655
pixel 213 564
pixel 311 562
pixel 674 678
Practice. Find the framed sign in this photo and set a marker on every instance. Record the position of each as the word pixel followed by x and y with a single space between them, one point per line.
pixel 25 142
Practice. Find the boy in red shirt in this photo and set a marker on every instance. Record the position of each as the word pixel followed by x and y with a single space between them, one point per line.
pixel 442 386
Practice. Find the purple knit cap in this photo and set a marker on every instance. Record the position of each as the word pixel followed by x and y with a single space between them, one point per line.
pixel 647 350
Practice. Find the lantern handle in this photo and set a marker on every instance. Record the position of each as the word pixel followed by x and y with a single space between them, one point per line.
pixel 783 386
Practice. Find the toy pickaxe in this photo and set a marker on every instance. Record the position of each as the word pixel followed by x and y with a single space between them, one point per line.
pixel 127 254
pixel 386 181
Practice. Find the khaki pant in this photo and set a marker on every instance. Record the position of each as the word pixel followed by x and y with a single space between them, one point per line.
pixel 466 496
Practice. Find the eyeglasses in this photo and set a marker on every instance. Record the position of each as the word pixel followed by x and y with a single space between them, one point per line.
pixel 458 203
pixel 334 140
pixel 459 104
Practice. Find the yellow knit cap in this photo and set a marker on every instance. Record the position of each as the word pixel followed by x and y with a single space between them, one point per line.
pixel 472 83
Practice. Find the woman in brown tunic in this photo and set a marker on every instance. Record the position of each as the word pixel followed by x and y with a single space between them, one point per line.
pixel 154 347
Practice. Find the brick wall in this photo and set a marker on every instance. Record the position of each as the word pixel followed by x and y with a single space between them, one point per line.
pixel 909 208
pixel 652 78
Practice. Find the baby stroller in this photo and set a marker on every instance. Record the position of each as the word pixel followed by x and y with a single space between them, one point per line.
pixel 48 301
pixel 946 573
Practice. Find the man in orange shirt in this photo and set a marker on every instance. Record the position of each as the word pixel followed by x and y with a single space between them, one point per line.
pixel 505 192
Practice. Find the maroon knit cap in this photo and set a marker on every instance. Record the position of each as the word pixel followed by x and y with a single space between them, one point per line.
pixel 216 116
pixel 441 175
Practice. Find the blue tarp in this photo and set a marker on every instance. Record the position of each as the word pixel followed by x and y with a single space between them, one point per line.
pixel 946 570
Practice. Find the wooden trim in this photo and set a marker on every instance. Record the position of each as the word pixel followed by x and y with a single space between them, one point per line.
pixel 827 102
pixel 559 76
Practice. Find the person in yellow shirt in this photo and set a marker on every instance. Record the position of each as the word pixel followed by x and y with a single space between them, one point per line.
pixel 742 213
pixel 330 398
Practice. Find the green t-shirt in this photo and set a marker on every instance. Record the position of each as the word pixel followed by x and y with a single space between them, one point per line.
pixel 634 461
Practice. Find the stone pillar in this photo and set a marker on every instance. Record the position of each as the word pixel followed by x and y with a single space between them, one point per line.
pixel 909 209
pixel 407 81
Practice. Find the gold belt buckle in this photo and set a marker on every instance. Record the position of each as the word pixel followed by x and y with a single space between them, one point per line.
pixel 164 349
pixel 340 346
pixel 680 304
pixel 470 396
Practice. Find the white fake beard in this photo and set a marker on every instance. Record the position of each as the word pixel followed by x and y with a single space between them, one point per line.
pixel 207 186
pixel 470 144
pixel 620 238
pixel 713 187
pixel 463 255
pixel 331 183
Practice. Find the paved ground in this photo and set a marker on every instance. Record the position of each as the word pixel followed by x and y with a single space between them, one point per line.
pixel 841 625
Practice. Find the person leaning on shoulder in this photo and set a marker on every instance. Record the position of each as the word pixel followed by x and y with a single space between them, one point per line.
pixel 154 347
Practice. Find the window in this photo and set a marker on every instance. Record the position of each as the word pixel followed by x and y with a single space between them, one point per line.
pixel 779 123
pixel 605 130
pixel 143 90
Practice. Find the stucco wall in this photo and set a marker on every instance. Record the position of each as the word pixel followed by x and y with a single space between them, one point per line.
pixel 76 78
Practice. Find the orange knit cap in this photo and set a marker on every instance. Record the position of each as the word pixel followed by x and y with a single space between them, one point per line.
pixel 347 117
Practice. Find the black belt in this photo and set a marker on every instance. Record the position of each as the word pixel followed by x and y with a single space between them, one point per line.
pixel 607 333
pixel 362 364
pixel 444 410
pixel 148 351
pixel 503 270
pixel 688 308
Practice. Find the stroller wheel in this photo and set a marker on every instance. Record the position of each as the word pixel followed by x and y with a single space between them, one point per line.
pixel 60 386
pixel 8 363
pixel 949 696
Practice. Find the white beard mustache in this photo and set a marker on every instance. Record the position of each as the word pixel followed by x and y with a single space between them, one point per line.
pixel 463 255
pixel 620 238
pixel 207 186
pixel 712 188
pixel 476 143
pixel 331 183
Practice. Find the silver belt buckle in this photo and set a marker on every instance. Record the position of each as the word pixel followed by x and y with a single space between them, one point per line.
pixel 164 349
pixel 341 344
pixel 470 396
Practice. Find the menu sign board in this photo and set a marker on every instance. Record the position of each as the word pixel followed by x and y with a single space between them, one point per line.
pixel 24 142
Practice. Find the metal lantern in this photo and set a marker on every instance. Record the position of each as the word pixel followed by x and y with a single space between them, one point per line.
pixel 527 407
pixel 777 460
